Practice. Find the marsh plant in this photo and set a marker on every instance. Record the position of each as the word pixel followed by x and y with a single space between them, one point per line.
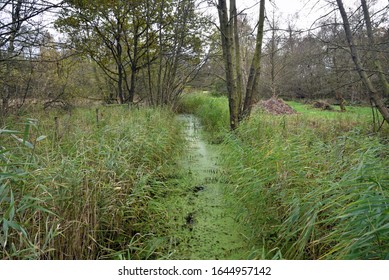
pixel 313 185
pixel 85 190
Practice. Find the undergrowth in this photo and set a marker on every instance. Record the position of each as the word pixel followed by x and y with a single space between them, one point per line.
pixel 84 185
pixel 311 186
pixel 212 112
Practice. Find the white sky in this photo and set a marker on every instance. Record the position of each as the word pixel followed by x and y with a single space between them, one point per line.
pixel 308 10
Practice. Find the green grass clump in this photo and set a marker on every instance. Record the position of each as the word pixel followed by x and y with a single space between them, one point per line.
pixel 311 192
pixel 212 112
pixel 85 190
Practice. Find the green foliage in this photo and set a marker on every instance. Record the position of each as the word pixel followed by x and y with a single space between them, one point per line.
pixel 152 48
pixel 17 200
pixel 212 112
pixel 87 190
pixel 312 186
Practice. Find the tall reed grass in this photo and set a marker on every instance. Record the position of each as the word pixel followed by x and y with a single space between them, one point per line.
pixel 310 186
pixel 75 188
pixel 212 111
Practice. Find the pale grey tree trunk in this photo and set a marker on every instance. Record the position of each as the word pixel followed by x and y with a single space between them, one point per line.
pixel 256 63
pixel 238 58
pixel 376 98
pixel 375 53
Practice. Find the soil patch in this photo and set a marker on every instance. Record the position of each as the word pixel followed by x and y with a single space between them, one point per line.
pixel 275 106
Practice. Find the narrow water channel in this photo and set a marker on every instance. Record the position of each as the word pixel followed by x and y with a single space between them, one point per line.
pixel 209 228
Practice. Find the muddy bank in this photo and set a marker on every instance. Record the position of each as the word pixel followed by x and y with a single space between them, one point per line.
pixel 203 226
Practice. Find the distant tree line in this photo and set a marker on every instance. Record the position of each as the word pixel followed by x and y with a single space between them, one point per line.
pixel 52 53
pixel 309 64
pixel 58 53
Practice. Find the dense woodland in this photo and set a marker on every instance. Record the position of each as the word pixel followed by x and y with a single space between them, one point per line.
pixel 61 54
pixel 109 51
pixel 90 144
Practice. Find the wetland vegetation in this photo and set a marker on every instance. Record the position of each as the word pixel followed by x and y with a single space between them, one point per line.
pixel 150 184
pixel 158 130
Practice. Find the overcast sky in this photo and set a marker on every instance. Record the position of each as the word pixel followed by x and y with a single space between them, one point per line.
pixel 306 10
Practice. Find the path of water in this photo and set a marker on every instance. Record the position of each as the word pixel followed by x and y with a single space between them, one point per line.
pixel 207 227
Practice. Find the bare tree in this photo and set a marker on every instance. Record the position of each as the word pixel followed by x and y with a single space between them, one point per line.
pixel 372 42
pixel 20 30
pixel 180 48
pixel 373 93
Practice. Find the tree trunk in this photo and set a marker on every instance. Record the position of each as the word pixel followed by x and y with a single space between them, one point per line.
pixel 134 63
pixel 120 83
pixel 149 82
pixel 341 100
pixel 15 27
pixel 272 57
pixel 119 63
pixel 160 91
pixel 358 64
pixel 227 46
pixel 131 92
pixel 238 59
pixel 377 62
pixel 255 64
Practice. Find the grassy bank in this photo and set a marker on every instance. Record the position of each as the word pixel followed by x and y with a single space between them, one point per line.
pixel 84 185
pixel 312 186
